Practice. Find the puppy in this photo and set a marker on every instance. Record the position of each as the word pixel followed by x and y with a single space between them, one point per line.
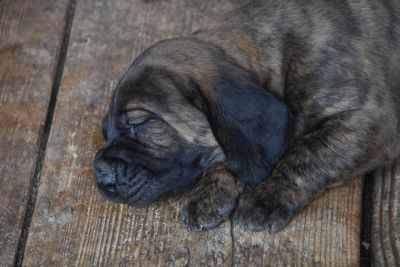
pixel 280 99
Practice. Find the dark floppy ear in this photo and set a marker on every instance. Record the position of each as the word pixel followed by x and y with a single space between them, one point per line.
pixel 251 124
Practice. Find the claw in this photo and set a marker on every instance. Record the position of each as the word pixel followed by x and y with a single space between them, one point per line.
pixel 269 228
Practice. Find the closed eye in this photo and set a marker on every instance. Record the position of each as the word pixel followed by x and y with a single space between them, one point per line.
pixel 137 117
pixel 132 121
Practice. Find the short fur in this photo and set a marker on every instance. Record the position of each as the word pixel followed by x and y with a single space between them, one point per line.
pixel 289 97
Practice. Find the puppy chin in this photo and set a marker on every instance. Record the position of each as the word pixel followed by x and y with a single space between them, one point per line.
pixel 115 198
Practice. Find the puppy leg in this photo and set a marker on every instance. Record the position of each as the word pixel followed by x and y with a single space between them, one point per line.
pixel 213 199
pixel 343 147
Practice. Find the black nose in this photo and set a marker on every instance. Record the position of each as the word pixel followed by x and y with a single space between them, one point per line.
pixel 107 182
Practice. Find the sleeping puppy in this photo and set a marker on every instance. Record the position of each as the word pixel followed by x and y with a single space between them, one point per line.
pixel 263 111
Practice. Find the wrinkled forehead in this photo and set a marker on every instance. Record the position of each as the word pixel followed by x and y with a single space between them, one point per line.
pixel 152 87
pixel 133 92
pixel 159 94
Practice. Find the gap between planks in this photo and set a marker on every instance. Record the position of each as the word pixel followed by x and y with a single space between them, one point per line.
pixel 366 220
pixel 69 16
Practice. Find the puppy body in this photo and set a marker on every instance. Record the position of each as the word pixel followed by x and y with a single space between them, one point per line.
pixel 336 66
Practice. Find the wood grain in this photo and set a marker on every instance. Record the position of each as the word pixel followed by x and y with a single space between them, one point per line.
pixel 385 232
pixel 30 41
pixel 73 225
pixel 327 233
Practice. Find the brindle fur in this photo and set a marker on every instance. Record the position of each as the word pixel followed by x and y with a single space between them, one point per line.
pixel 212 200
pixel 219 96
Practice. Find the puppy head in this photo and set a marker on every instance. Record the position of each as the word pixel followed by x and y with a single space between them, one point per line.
pixel 182 106
pixel 157 142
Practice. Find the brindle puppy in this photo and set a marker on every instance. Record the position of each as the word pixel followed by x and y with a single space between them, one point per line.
pixel 214 103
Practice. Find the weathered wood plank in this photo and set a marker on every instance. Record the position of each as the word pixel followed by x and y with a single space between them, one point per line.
pixel 72 224
pixel 385 232
pixel 30 41
pixel 327 233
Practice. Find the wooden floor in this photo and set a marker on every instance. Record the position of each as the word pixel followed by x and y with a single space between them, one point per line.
pixel 59 63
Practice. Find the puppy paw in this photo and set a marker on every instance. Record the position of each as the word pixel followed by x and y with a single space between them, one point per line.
pixel 212 201
pixel 270 206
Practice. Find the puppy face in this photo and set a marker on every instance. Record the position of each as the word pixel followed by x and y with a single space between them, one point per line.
pixel 168 111
pixel 157 142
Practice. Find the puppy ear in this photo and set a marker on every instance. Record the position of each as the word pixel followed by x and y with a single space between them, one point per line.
pixel 251 124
